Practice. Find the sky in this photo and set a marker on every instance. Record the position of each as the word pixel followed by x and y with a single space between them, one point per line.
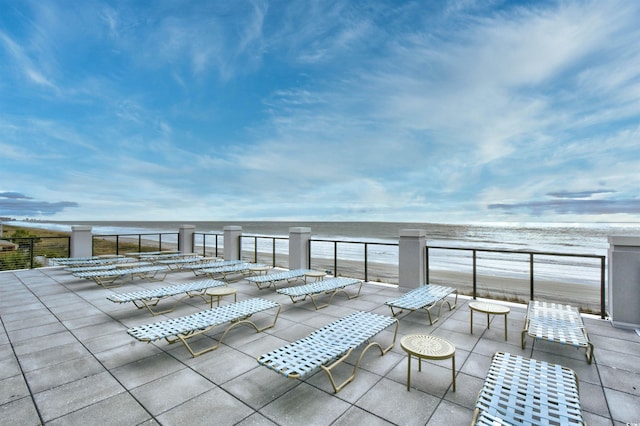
pixel 375 110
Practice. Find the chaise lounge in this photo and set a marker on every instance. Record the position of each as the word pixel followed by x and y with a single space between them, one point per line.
pixel 315 289
pixel 107 278
pixel 224 271
pixel 266 281
pixel 184 328
pixel 525 391
pixel 556 323
pixel 327 347
pixel 150 298
pixel 423 297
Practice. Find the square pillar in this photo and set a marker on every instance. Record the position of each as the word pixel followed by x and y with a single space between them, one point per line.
pixel 299 238
pixel 231 242
pixel 412 261
pixel 81 241
pixel 624 281
pixel 185 238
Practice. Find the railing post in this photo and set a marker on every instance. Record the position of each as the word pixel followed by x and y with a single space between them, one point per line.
pixel 603 307
pixel 185 238
pixel 232 244
pixel 531 293
pixel 366 274
pixel 624 281
pixel 475 274
pixel 255 249
pixel 274 252
pixel 33 242
pixel 411 260
pixel 299 252
pixel 426 265
pixel 81 241
pixel 335 258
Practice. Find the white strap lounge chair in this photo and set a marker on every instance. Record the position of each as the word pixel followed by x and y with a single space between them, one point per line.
pixel 88 261
pixel 184 328
pixel 179 263
pixel 556 323
pixel 108 278
pixel 198 267
pixel 315 289
pixel 225 271
pixel 76 269
pixel 523 391
pixel 329 346
pixel 266 281
pixel 423 297
pixel 150 298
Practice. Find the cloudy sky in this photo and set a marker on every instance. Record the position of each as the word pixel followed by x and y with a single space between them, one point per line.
pixel 452 111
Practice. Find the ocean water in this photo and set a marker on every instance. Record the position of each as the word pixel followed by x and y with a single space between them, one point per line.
pixel 558 238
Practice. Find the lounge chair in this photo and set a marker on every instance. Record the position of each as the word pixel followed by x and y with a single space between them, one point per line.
pixel 329 287
pixel 183 328
pixel 556 323
pixel 88 261
pixel 423 297
pixel 266 281
pixel 150 298
pixel 329 346
pixel 178 263
pixel 525 391
pixel 108 278
pixel 198 267
pixel 224 271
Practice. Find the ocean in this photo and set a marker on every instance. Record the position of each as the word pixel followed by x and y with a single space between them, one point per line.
pixel 560 238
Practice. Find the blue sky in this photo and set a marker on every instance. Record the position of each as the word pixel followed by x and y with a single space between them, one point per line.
pixel 458 111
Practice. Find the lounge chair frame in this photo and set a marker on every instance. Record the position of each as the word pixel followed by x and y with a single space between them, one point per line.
pixel 149 299
pixel 182 329
pixel 266 281
pixel 329 287
pixel 556 323
pixel 327 347
pixel 424 297
pixel 519 390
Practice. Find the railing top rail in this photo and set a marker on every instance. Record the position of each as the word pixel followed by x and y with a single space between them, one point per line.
pixel 264 236
pixel 544 253
pixel 354 242
pixel 129 235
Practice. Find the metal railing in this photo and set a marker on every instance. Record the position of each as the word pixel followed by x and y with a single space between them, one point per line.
pixel 350 266
pixel 350 258
pixel 531 262
pixel 32 252
pixel 132 243
pixel 200 244
pixel 265 249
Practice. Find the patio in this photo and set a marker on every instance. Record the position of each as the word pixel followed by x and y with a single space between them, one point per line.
pixel 66 358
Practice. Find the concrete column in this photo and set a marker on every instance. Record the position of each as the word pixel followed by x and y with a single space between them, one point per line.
pixel 299 247
pixel 0 229
pixel 231 242
pixel 185 238
pixel 412 262
pixel 624 281
pixel 81 241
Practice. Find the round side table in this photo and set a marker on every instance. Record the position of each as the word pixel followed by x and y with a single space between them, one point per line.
pixel 219 293
pixel 259 270
pixel 316 275
pixel 489 309
pixel 426 346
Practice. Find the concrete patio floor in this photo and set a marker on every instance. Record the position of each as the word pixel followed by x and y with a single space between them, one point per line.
pixel 65 358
